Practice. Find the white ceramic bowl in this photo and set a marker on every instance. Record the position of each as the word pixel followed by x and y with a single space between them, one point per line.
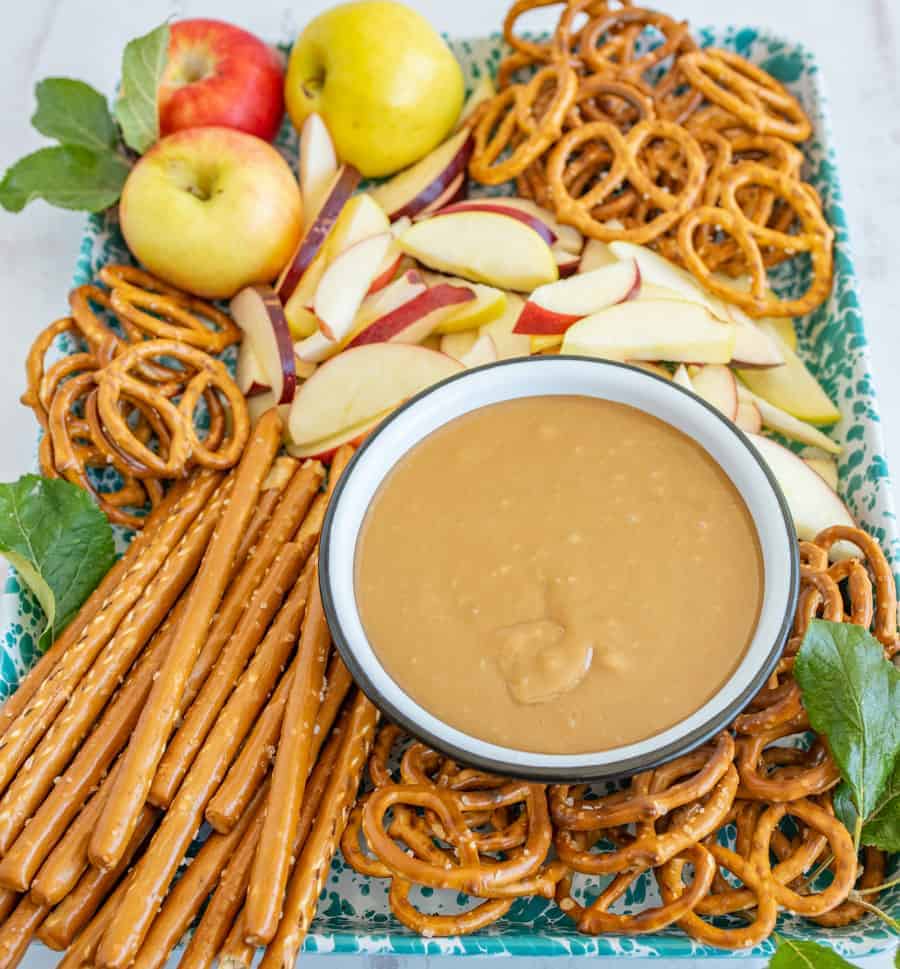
pixel 543 376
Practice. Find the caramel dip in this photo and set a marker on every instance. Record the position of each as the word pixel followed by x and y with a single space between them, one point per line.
pixel 559 574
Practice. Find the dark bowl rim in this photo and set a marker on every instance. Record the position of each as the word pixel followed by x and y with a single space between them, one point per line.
pixel 609 771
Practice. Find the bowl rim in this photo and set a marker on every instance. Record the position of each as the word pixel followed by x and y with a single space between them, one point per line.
pixel 608 771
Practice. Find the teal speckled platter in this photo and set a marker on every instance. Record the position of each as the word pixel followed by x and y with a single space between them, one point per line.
pixel 353 915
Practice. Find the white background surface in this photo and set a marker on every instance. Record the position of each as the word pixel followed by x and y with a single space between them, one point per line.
pixel 857 44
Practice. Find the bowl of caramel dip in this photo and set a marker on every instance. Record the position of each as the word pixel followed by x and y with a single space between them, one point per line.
pixel 559 568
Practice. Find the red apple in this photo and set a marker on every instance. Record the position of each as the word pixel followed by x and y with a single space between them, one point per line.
pixel 250 378
pixel 456 191
pixel 218 74
pixel 257 310
pixel 532 221
pixel 415 319
pixel 567 262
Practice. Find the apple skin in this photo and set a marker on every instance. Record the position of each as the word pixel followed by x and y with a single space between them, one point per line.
pixel 218 74
pixel 383 80
pixel 211 210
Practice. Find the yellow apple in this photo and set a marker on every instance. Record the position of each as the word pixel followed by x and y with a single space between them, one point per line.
pixel 386 84
pixel 212 210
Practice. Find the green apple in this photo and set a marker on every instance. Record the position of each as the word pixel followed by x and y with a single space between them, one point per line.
pixel 387 86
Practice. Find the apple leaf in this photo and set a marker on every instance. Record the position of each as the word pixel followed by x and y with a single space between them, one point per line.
pixel 59 542
pixel 68 176
pixel 73 113
pixel 794 954
pixel 136 108
pixel 882 826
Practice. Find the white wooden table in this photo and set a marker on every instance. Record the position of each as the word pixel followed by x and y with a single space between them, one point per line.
pixel 857 44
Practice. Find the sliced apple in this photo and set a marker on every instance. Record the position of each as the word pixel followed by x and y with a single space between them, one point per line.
pixel 416 319
pixel 545 342
pixel 345 283
pixel 510 211
pixel 791 387
pixel 249 374
pixel 508 343
pixel 324 450
pixel 567 263
pixel 340 189
pixel 388 269
pixel 456 191
pixel 484 247
pixel 812 503
pixel 360 218
pixel 783 326
pixel 318 164
pixel 483 351
pixel 568 237
pixel 457 345
pixel 260 403
pixel 827 470
pixel 748 417
pixel 411 190
pixel 653 368
pixel 432 342
pixel 716 384
pixel 555 307
pixel 483 91
pixel 787 425
pixel 489 303
pixel 357 385
pixel 257 310
pixel 652 330
pixel 596 255
pixel 683 378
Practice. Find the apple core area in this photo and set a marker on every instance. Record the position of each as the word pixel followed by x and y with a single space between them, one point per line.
pixel 559 574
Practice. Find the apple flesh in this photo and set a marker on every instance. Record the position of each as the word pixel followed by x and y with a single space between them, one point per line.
pixel 827 470
pixel 789 426
pixel 482 352
pixel 596 255
pixel 456 191
pixel 415 319
pixel 249 374
pixel 683 378
pixel 356 386
pixel 555 307
pixel 716 384
pixel 748 417
pixel 257 310
pixel 410 191
pixel 652 330
pixel 458 344
pixel 567 263
pixel 219 75
pixel 318 164
pixel 325 450
pixel 568 238
pixel 509 344
pixel 526 218
pixel 489 303
pixel 484 247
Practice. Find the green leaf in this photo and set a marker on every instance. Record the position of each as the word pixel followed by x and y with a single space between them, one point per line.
pixel 136 108
pixel 58 540
pixel 852 696
pixel 67 176
pixel 73 113
pixel 792 954
pixel 882 827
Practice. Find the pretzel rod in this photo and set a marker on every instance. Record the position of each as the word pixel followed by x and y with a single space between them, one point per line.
pixel 277 480
pixel 250 766
pixel 293 509
pixel 78 907
pixel 25 731
pixel 312 867
pixel 35 779
pixel 142 756
pixel 83 950
pixel 272 864
pixel 8 901
pixel 191 890
pixel 155 870
pixel 18 930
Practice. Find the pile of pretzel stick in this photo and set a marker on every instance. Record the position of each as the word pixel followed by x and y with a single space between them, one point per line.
pixel 429 822
pixel 627 130
pixel 128 398
pixel 197 684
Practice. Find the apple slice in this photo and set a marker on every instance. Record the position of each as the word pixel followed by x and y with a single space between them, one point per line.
pixel 411 190
pixel 339 190
pixel 753 347
pixel 568 238
pixel 415 319
pixel 257 310
pixel 483 91
pixel 567 263
pixel 555 307
pixel 812 503
pixel 789 426
pixel 360 218
pixel 543 342
pixel 489 303
pixel 345 283
pixel 485 247
pixel 659 271
pixel 508 343
pixel 596 255
pixel 318 164
pixel 748 417
pixel 653 368
pixel 716 384
pixel 683 378
pixel 249 376
pixel 483 352
pixel 827 470
pixel 456 191
pixel 357 385
pixel 510 211
pixel 652 330
pixel 457 345
pixel 325 449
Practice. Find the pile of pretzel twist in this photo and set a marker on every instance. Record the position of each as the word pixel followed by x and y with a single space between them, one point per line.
pixel 496 839
pixel 127 398
pixel 691 151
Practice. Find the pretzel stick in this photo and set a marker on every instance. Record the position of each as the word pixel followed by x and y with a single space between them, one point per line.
pixel 83 950
pixel 26 730
pixel 142 756
pixel 35 779
pixel 312 867
pixel 190 891
pixel 273 487
pixel 18 930
pixel 250 766
pixel 155 870
pixel 78 908
pixel 8 901
pixel 271 866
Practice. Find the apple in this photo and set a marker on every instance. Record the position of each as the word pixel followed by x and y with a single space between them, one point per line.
pixel 652 330
pixel 325 449
pixel 416 319
pixel 318 165
pixel 345 282
pixel 553 308
pixel 414 189
pixel 568 237
pixel 813 505
pixel 249 374
pixel 388 270
pixel 456 191
pixel 257 310
pixel 508 343
pixel 827 470
pixel 483 91
pixel 482 352
pixel 715 383
pixel 489 303
pixel 791 387
pixel 748 417
pixel 219 75
pixel 526 218
pixel 458 344
pixel 357 386
pixel 683 378
pixel 567 263
pixel 386 84
pixel 485 247
pixel 786 424
pixel 783 326
pixel 595 255
pixel 653 368
pixel 211 210
pixel 541 343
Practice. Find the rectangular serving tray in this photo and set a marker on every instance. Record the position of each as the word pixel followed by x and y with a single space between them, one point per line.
pixel 354 916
